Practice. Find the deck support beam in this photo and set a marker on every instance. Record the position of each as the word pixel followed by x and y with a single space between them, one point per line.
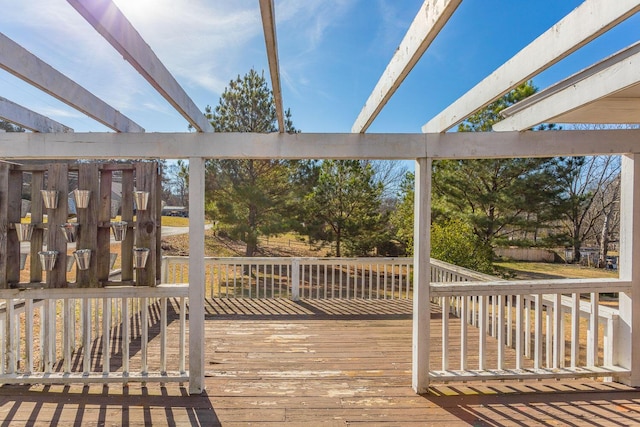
pixel 29 119
pixel 421 276
pixel 18 61
pixel 585 23
pixel 429 21
pixel 110 22
pixel 626 352
pixel 196 275
pixel 271 40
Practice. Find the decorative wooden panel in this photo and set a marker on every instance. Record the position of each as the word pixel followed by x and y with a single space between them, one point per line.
pixel 94 232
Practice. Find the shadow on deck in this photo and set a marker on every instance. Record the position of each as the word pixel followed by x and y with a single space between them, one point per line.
pixel 328 362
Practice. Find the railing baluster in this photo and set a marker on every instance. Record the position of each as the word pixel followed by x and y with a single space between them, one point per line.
pixel 385 281
pixel 494 326
pixel 482 345
pixel 558 350
pixel 377 281
pixel 295 279
pixel 10 337
pixel 348 284
pixel 463 332
pixel 500 330
pixel 509 320
pixel 519 332
pixel 272 280
pixel 445 333
pixel 106 336
pixel 474 311
pixel 163 336
pixel 326 294
pixel 527 327
pixel 3 347
pixel 393 281
pixel 124 343
pixel 265 288
pixel 537 362
pixel 235 280
pixel 67 331
pixel 28 335
pixel 183 334
pixel 49 334
pixel 592 332
pixel 302 278
pixel 370 281
pixel 144 326
pixel 548 333
pixel 86 335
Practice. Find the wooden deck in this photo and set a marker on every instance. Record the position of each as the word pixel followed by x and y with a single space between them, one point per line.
pixel 317 363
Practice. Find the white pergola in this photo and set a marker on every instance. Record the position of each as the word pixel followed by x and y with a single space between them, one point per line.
pixel 608 92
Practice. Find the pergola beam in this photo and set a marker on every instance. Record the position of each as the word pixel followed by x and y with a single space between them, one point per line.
pixel 28 119
pixel 572 95
pixel 589 20
pixel 430 19
pixel 269 26
pixel 455 145
pixel 111 23
pixel 26 66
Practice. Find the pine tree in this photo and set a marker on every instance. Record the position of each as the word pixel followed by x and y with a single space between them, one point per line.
pixel 344 206
pixel 250 198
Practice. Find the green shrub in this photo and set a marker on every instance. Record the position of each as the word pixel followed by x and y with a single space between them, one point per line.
pixel 454 242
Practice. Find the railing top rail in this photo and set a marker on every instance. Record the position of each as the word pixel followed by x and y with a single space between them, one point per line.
pixel 300 260
pixel 164 290
pixel 529 287
pixel 470 275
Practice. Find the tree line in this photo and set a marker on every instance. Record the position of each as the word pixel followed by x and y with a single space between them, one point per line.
pixel 365 207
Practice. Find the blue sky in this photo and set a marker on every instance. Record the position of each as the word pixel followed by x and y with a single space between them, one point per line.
pixel 332 53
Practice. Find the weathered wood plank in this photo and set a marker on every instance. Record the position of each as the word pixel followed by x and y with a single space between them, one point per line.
pixel 4 223
pixel 146 227
pixel 58 180
pixel 104 233
pixel 37 238
pixel 14 205
pixel 126 259
pixel 88 179
pixel 158 221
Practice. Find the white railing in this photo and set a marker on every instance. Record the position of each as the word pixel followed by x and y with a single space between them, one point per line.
pixel 92 335
pixel 294 278
pixel 530 323
pixel 527 324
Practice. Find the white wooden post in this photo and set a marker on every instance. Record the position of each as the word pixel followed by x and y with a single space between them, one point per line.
pixel 295 279
pixel 196 275
pixel 627 352
pixel 421 275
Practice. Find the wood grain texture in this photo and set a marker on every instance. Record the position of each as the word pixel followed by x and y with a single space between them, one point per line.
pixel 58 180
pixel 88 218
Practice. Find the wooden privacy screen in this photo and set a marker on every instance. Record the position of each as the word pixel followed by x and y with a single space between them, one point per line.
pixel 93 223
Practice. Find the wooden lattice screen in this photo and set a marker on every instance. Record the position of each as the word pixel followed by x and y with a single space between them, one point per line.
pixel 94 222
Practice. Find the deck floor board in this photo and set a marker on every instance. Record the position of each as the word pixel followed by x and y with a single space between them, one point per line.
pixel 320 363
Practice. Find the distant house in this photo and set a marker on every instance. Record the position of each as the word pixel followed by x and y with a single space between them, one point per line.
pixel 175 211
